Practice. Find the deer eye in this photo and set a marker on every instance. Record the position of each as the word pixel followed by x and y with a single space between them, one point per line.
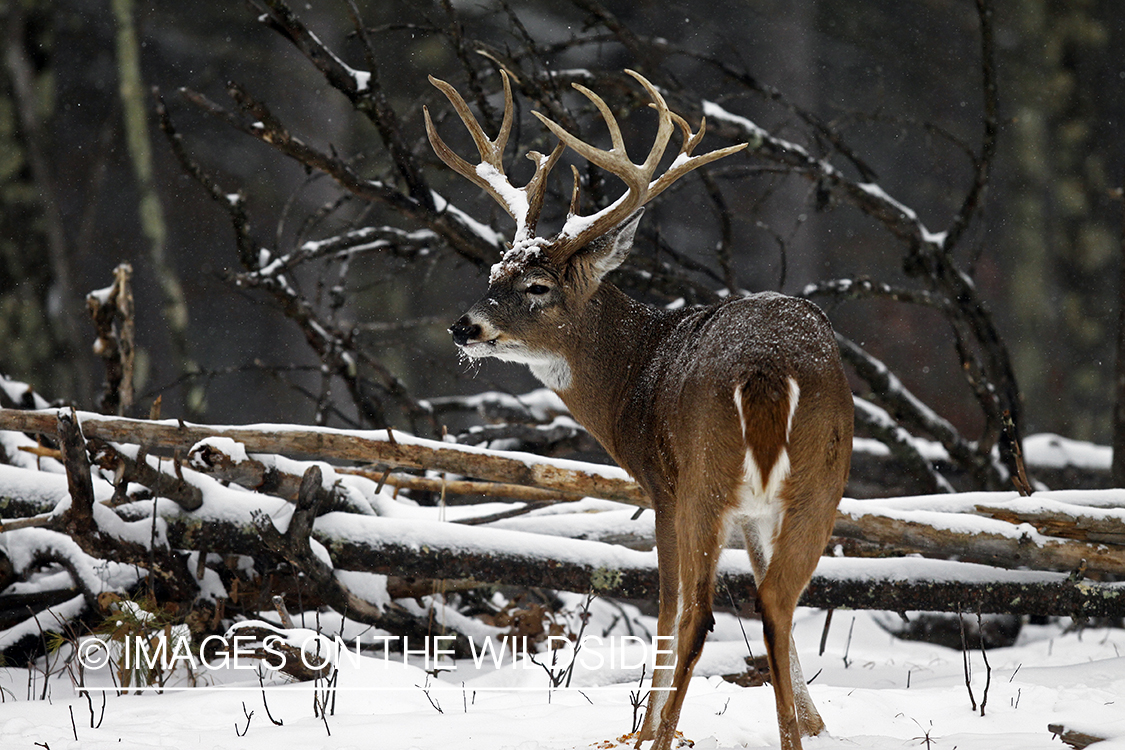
pixel 538 289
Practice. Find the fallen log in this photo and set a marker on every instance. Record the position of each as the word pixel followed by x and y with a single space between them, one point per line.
pixel 1076 739
pixel 492 556
pixel 382 545
pixel 1086 526
pixel 974 539
pixel 866 521
pixel 904 525
pixel 434 550
pixel 383 447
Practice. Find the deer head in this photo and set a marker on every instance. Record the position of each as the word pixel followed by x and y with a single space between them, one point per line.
pixel 539 287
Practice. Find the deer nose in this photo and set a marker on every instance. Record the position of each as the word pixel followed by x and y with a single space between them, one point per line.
pixel 464 331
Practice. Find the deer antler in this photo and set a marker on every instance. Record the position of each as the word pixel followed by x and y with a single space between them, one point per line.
pixel 522 204
pixel 579 230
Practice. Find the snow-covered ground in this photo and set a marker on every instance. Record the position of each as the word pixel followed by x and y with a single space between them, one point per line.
pixel 874 692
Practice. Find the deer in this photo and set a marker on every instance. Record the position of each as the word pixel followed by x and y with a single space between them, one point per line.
pixel 736 415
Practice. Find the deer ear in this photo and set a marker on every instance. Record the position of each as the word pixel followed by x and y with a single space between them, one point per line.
pixel 610 250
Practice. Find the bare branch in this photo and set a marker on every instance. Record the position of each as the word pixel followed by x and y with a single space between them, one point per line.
pixel 909 410
pixel 983 163
pixel 449 224
pixel 882 427
pixel 80 517
pixel 362 88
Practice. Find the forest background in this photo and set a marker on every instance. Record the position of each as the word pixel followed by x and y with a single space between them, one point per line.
pixel 892 93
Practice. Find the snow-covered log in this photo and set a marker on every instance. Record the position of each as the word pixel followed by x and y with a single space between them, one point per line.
pixel 325 526
pixel 974 538
pixel 435 550
pixel 932 527
pixel 382 545
pixel 383 447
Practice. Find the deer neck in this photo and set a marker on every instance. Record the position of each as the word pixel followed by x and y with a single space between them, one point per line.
pixel 608 356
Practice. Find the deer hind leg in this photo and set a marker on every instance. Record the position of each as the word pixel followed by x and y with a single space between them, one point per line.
pixel 662 674
pixel 759 533
pixel 791 560
pixel 700 531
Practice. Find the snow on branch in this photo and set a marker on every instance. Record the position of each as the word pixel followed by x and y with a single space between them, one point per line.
pixel 901 443
pixel 395 449
pixel 908 409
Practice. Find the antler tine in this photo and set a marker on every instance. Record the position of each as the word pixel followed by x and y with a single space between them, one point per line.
pixel 575 193
pixel 536 188
pixel 522 204
pixel 580 230
pixel 607 115
pixel 685 162
pixel 664 130
pixel 691 140
pixel 491 151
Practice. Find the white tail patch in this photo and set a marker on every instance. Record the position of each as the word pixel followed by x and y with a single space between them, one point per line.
pixel 760 503
pixel 768 486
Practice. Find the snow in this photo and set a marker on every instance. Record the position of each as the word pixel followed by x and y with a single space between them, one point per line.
pixel 483 231
pixel 541 404
pixel 17 392
pixel 576 226
pixel 516 259
pixel 1055 451
pixel 874 692
pixel 515 200
pixel 232 449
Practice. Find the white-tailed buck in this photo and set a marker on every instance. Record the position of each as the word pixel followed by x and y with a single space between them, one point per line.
pixel 733 414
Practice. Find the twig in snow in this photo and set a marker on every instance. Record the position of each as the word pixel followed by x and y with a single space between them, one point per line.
pixel 262 684
pixel 637 700
pixel 90 705
pixel 987 666
pixel 584 616
pixel 745 638
pixel 248 716
pixel 966 662
pixel 926 733
pixel 426 692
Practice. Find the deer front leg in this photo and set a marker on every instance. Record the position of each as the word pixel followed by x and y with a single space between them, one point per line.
pixel 666 625
pixel 699 538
